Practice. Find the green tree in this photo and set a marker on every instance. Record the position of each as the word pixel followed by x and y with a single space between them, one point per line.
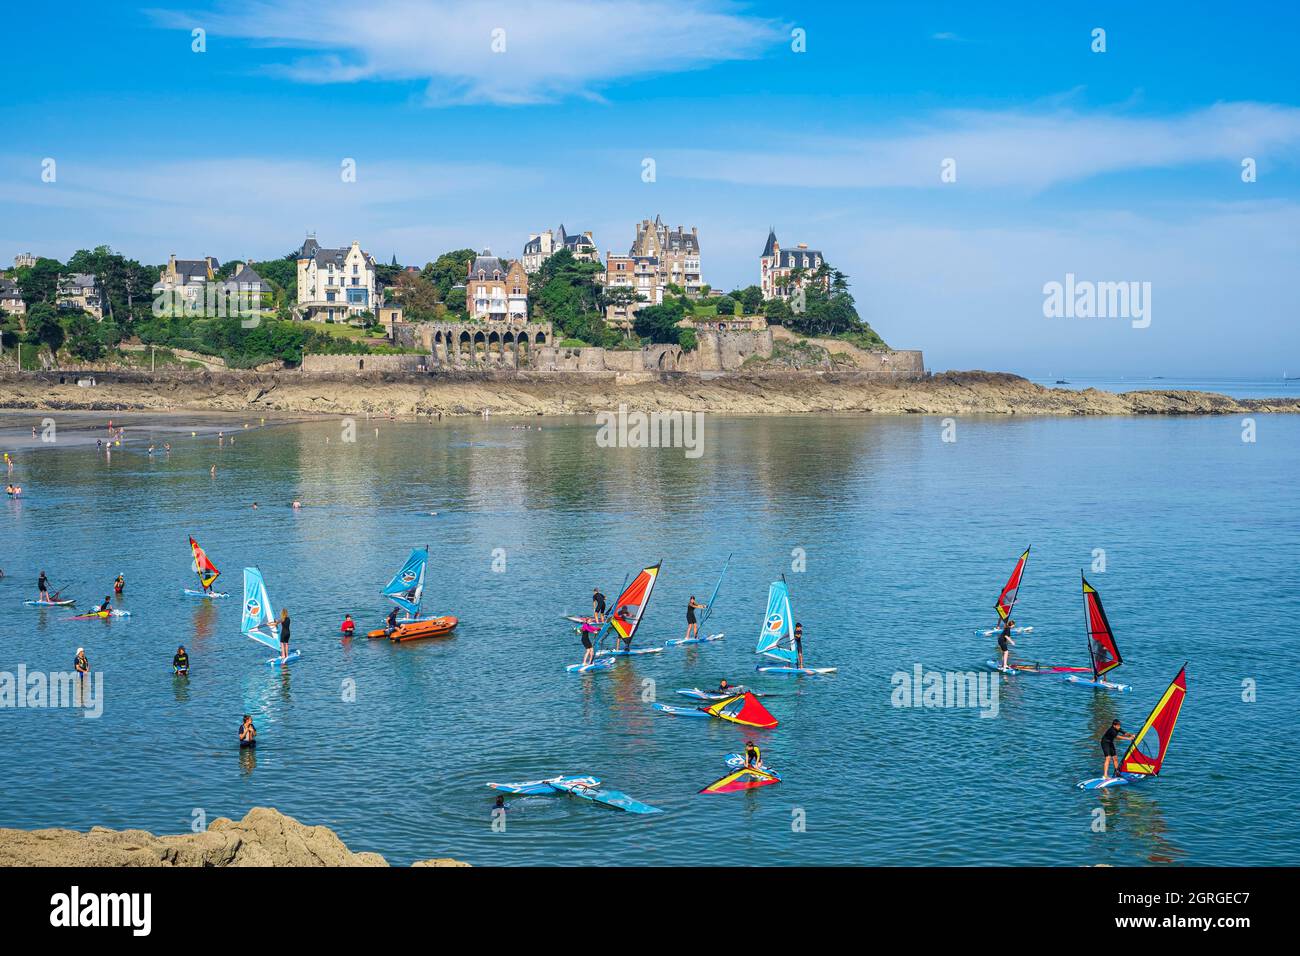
pixel 44 327
pixel 39 283
pixel 83 337
pixel 726 306
pixel 448 269
pixel 658 323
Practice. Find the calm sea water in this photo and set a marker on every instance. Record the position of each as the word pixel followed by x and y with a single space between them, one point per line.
pixel 907 541
pixel 1233 387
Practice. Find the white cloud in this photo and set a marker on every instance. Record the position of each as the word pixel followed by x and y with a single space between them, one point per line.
pixel 553 48
pixel 1000 149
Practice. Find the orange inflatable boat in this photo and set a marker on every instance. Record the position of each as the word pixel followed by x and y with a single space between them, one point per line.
pixel 418 630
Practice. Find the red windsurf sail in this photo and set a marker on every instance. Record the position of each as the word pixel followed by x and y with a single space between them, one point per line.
pixel 1102 650
pixel 631 604
pixel 203 566
pixel 744 779
pixel 1147 751
pixel 1011 593
pixel 743 709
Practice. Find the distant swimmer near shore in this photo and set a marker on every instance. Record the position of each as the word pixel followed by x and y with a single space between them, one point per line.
pixel 181 662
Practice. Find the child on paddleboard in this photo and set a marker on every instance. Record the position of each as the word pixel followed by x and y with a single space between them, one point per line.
pixel 587 629
pixel 798 644
pixel 598 605
pixel 1005 643
pixel 284 633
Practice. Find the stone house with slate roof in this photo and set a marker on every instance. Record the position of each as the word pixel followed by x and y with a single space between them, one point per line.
pixel 80 290
pixel 542 246
pixel 11 299
pixel 775 266
pixel 676 251
pixel 335 284
pixel 494 291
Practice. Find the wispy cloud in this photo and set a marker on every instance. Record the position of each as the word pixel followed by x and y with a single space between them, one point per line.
pixel 530 51
pixel 947 37
pixel 1000 149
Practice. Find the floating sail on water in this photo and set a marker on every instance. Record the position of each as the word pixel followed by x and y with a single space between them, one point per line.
pixel 743 709
pixel 708 608
pixel 406 589
pixel 746 778
pixel 776 638
pixel 203 566
pixel 1102 649
pixel 1011 592
pixel 259 617
pixel 631 604
pixel 1147 751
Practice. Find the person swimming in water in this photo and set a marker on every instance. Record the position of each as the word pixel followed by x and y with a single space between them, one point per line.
pixel 348 627
pixel 181 662
pixel 119 584
pixel 692 625
pixel 247 733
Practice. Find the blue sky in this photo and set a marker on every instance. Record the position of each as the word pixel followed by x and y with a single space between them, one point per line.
pixel 1115 166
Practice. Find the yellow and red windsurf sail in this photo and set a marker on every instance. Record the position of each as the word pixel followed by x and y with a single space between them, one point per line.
pixel 1102 649
pixel 1147 751
pixel 747 778
pixel 203 566
pixel 631 604
pixel 1011 592
pixel 743 709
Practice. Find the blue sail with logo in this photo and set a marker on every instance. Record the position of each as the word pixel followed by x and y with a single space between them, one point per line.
pixel 406 590
pixel 258 621
pixel 776 639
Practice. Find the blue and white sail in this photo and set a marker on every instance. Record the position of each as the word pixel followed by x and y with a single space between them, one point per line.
pixel 406 590
pixel 259 617
pixel 776 638
pixel 708 608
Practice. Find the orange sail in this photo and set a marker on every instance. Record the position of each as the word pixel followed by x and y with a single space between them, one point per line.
pixel 1147 751
pixel 631 604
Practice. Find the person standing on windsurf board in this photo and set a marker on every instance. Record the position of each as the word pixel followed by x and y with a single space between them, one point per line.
pixel 1005 643
pixel 1114 733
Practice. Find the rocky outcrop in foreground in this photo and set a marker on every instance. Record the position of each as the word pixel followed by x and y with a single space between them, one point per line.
pixel 265 837
pixel 945 393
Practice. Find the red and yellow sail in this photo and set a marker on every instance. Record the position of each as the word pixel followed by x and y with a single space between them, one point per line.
pixel 631 604
pixel 747 778
pixel 1007 599
pixel 743 709
pixel 203 566
pixel 1102 649
pixel 1147 751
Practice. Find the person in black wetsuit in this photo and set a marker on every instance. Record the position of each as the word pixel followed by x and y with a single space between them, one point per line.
pixel 284 633
pixel 692 625
pixel 43 586
pixel 106 606
pixel 181 662
pixel 798 644
pixel 1114 733
pixel 390 623
pixel 598 605
pixel 585 630
pixel 247 733
pixel 1005 643
pixel 753 756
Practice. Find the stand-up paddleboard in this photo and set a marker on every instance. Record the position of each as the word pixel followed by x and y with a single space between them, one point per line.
pixel 600 664
pixel 696 694
pixel 688 641
pixel 634 652
pixel 100 615
pixel 787 671
pixel 678 711
pixel 1038 670
pixel 1139 761
pixel 191 592
pixel 258 620
pixel 65 603
pixel 736 761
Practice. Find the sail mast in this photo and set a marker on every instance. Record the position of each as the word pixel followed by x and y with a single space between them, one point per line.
pixel 708 608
